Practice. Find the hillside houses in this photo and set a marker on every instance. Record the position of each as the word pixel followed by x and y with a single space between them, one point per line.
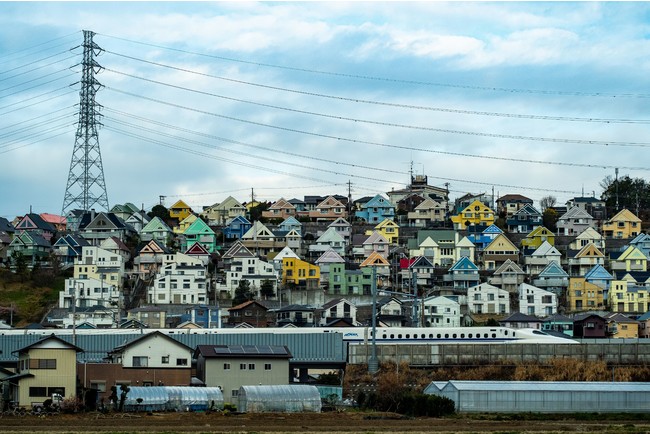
pixel 321 248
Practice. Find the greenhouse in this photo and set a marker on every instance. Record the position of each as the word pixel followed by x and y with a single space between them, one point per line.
pixel 294 398
pixel 544 396
pixel 173 398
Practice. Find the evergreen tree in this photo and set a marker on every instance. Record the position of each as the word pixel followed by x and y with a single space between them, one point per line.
pixel 266 289
pixel 243 292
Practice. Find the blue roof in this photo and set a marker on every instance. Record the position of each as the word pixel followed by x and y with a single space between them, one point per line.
pixel 598 272
pixel 463 264
pixel 553 270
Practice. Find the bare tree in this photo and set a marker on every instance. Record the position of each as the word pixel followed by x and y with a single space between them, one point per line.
pixel 547 202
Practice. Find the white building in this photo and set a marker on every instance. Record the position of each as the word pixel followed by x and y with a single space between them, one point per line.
pixel 243 265
pixel 181 280
pixel 536 301
pixel 441 312
pixel 486 298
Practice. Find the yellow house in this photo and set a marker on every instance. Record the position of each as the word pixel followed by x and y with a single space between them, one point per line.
pixel 622 225
pixel 631 259
pixel 300 273
pixel 624 299
pixel 179 210
pixel 389 229
pixel 45 368
pixel 184 224
pixel 476 213
pixel 537 236
pixel 582 295
pixel 620 326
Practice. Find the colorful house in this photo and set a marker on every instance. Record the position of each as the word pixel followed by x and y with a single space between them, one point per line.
pixel 583 295
pixel 622 327
pixel 540 258
pixel 376 210
pixel 299 273
pixel 180 210
pixel 35 223
pixel 185 223
pixel 389 229
pixel 537 237
pixel 582 261
pixel 328 209
pixel 236 228
pixel 552 278
pixel 630 259
pixel 343 281
pixel 280 210
pixel 463 274
pixel 510 204
pixel 199 232
pixel 589 235
pixel 427 212
pixel 623 225
pixel 157 230
pixel 220 213
pixel 500 250
pixel 477 213
pixel 626 297
pixel 524 220
pixel 486 298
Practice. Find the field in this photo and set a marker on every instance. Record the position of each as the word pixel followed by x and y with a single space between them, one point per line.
pixel 348 422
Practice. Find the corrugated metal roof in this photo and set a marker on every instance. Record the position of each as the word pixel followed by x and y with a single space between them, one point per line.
pixel 317 347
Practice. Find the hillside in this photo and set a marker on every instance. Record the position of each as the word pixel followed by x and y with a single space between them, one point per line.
pixel 29 294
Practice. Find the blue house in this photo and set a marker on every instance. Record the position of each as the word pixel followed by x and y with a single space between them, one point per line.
pixel 599 276
pixel 290 223
pixel 552 278
pixel 202 315
pixel 483 238
pixel 463 274
pixel 376 210
pixel 524 220
pixel 237 228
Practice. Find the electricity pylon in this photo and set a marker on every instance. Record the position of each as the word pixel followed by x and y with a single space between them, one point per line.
pixel 86 186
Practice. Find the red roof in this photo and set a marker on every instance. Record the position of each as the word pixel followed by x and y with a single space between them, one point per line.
pixel 405 263
pixel 53 218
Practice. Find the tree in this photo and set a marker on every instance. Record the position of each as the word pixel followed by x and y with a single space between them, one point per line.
pixel 243 293
pixel 266 289
pixel 549 219
pixel 630 193
pixel 547 202
pixel 159 211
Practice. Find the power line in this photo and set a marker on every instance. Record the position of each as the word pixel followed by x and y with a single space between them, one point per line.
pixel 390 80
pixel 35 61
pixel 387 104
pixel 455 154
pixel 35 97
pixel 36 46
pixel 370 122
pixel 356 176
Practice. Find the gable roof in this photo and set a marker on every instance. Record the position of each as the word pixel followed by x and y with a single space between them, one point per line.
pixel 575 212
pixel 546 249
pixel 509 267
pixel 152 335
pixel 179 204
pixel 528 209
pixel 598 272
pixel 330 256
pixel 246 304
pixel 198 226
pixel 625 215
pixel 421 262
pixel 156 224
pixel 330 235
pixel 238 250
pixel 374 259
pixel 463 264
pixel 197 249
pixel 378 201
pixel 154 246
pixel 258 229
pixel 501 243
pixel 553 269
pixel 286 252
pixel 590 250
pixel 375 238
pixel 51 337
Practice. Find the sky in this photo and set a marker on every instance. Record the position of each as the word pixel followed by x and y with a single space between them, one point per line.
pixel 201 101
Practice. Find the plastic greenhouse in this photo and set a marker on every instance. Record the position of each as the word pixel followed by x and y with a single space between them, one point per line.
pixel 170 398
pixel 544 396
pixel 294 398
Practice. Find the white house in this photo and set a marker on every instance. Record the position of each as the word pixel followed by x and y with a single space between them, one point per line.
pixel 180 280
pixel 486 298
pixel 441 312
pixel 536 301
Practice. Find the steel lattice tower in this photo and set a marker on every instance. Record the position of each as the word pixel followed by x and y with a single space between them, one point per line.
pixel 86 186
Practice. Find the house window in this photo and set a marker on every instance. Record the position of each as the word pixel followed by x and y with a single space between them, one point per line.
pixel 140 361
pixel 234 393
pixel 42 364
pixel 251 366
pixel 267 366
pixel 181 362
pixel 242 366
pixel 37 392
pixel 226 366
pixel 165 360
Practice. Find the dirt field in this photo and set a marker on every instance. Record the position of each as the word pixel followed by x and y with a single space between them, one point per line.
pixel 304 423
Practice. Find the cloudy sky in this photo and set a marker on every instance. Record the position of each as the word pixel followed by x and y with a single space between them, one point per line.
pixel 206 100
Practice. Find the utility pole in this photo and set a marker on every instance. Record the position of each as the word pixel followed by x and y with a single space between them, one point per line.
pixel 616 181
pixel 373 363
pixel 86 186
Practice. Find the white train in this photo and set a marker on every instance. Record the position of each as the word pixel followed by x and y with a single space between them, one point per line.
pixel 392 335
